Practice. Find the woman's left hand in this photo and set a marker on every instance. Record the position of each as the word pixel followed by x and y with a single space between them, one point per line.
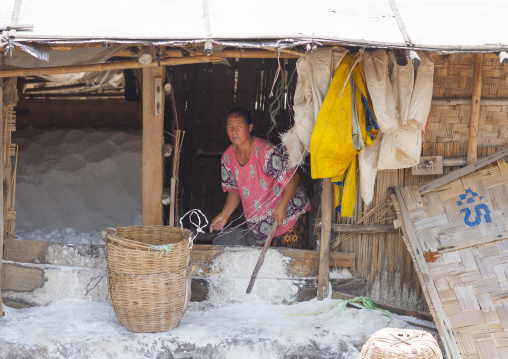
pixel 280 212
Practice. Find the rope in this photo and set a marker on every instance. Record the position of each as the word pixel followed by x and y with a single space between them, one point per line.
pixel 88 290
pixel 164 249
pixel 199 227
pixel 279 95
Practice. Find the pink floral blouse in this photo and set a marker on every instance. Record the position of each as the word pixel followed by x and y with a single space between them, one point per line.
pixel 260 184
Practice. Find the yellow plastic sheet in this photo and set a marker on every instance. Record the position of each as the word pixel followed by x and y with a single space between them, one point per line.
pixel 331 145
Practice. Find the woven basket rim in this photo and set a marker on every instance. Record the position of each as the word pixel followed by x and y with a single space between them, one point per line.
pixel 129 242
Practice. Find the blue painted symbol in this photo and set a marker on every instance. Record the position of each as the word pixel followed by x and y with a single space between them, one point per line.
pixel 469 197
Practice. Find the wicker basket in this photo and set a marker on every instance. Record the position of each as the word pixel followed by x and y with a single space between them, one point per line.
pixel 149 288
pixel 393 343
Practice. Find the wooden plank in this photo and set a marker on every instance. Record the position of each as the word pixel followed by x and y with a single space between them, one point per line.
pixel 473 242
pixel 339 259
pixel 452 176
pixel 354 286
pixel 428 165
pixel 306 289
pixel 326 233
pixel 386 306
pixel 120 65
pixel 152 168
pixel 361 228
pixel 418 255
pixel 21 279
pixel 2 214
pixel 302 264
pixel 472 148
pixel 61 254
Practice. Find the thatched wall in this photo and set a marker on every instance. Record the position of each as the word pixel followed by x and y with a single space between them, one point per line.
pixel 383 259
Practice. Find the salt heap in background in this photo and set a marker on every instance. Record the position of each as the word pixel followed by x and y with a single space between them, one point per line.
pixel 73 184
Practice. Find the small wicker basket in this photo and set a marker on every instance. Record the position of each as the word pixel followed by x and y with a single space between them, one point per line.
pixel 149 276
pixel 393 343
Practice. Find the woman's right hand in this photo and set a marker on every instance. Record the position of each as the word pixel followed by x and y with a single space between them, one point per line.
pixel 218 223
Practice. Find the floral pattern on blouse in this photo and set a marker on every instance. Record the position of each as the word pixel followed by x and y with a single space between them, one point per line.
pixel 262 181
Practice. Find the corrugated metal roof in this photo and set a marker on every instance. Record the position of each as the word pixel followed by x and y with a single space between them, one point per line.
pixel 451 25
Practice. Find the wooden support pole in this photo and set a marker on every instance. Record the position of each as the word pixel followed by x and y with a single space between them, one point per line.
pixel 2 214
pixel 120 65
pixel 326 234
pixel 472 151
pixel 153 127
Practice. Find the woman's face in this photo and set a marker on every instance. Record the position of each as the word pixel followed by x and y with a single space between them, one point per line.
pixel 238 131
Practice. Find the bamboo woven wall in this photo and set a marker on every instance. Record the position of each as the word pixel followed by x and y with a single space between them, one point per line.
pixel 383 259
pixel 453 78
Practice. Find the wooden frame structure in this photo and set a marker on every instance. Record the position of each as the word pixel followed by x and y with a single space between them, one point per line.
pixel 153 157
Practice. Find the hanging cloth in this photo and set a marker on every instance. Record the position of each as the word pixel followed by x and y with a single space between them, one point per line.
pixel 315 72
pixel 401 103
pixel 341 131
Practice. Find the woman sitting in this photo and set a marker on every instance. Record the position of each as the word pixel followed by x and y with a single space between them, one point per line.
pixel 255 173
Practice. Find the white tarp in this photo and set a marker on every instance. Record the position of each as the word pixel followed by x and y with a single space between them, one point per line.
pixel 436 24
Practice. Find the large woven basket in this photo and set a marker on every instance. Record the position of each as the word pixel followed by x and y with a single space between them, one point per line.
pixel 394 343
pixel 149 276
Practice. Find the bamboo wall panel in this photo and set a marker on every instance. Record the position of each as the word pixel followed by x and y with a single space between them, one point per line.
pixel 453 78
pixel 383 259
pixel 462 229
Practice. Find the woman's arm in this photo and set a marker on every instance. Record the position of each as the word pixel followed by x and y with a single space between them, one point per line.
pixel 232 201
pixel 281 209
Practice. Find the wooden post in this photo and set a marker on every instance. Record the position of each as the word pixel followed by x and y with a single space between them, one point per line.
pixel 472 147
pixel 326 233
pixel 153 127
pixel 2 219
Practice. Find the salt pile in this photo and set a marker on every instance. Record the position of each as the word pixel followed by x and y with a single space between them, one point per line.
pixel 73 184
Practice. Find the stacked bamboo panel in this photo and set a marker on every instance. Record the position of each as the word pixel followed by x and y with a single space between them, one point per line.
pixel 457 235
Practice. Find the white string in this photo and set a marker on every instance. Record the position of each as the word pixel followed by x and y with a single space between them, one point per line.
pixel 199 227
pixel 351 70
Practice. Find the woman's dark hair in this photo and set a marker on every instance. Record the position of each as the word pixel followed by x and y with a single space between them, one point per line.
pixel 242 112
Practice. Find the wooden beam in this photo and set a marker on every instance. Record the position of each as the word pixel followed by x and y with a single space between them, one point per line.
pixel 302 263
pixel 430 289
pixel 472 147
pixel 120 65
pixel 389 307
pixel 326 234
pixel 153 140
pixel 452 176
pixel 2 214
pixel 361 228
pixel 500 101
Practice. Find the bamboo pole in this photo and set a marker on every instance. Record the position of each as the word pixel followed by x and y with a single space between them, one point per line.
pixel 153 127
pixel 2 219
pixel 120 65
pixel 326 234
pixel 472 151
pixel 499 101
